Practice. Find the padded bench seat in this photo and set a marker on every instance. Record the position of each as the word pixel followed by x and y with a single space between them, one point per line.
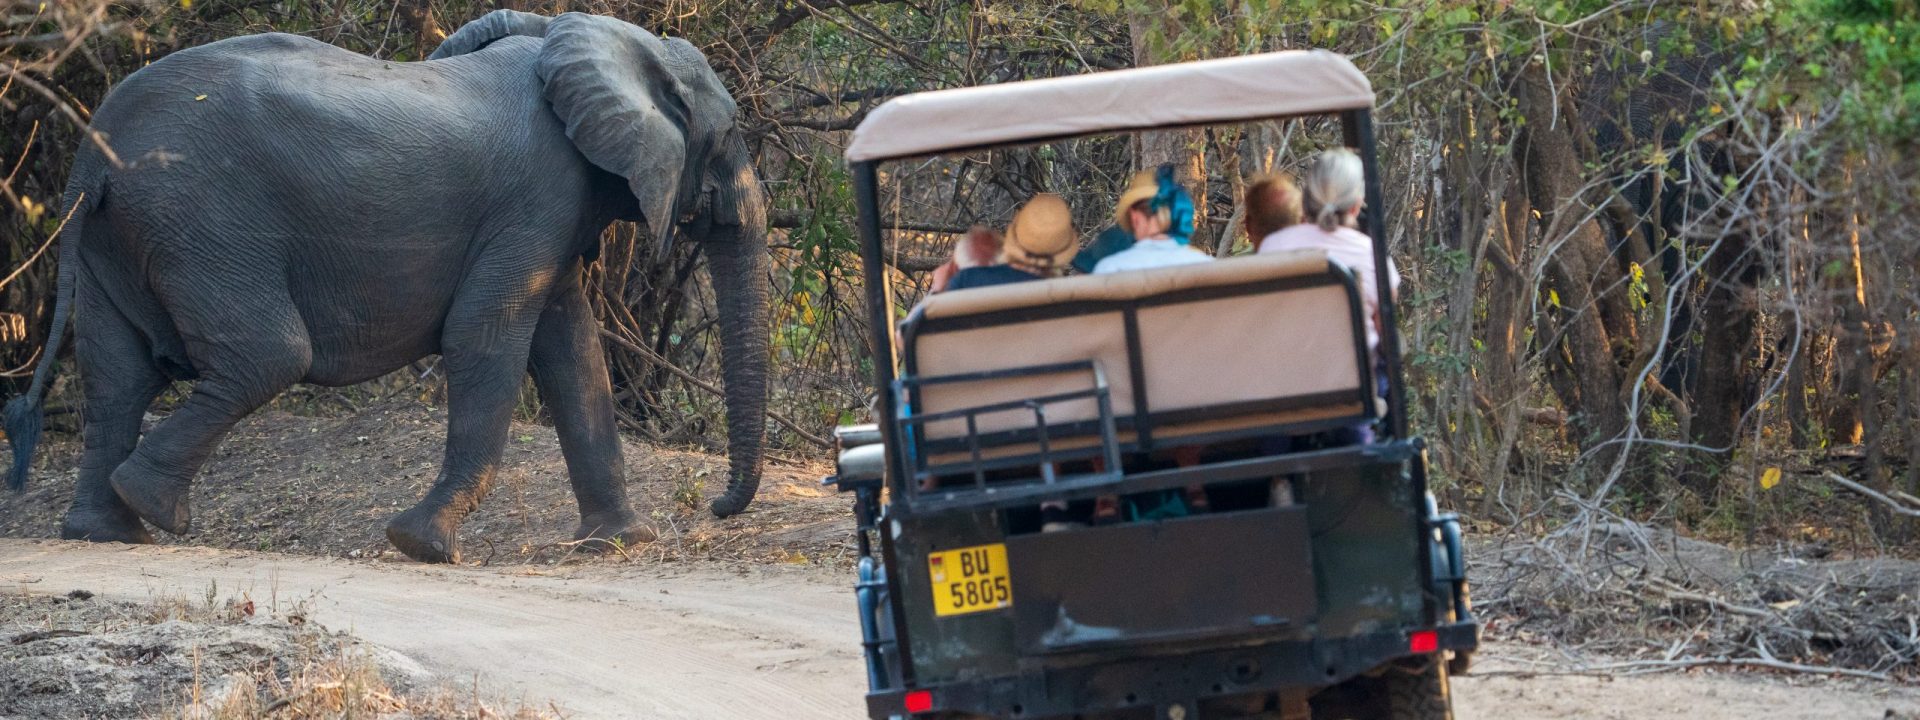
pixel 1237 347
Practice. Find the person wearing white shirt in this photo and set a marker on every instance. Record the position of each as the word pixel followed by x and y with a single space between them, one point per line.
pixel 1159 214
pixel 1148 210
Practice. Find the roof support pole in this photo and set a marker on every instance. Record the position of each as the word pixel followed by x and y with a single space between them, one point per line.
pixel 879 293
pixel 866 194
pixel 1357 126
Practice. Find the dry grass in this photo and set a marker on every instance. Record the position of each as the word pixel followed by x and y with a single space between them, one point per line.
pixel 214 657
pixel 346 685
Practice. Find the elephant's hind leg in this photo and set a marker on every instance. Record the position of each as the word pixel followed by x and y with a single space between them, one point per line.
pixel 571 373
pixel 245 353
pixel 119 380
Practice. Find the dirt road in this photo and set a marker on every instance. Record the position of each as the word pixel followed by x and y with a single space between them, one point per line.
pixel 704 641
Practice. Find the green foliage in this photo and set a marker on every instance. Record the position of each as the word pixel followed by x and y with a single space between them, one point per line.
pixel 1880 40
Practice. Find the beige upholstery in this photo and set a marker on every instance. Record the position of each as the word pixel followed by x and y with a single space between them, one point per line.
pixel 1125 285
pixel 1282 343
pixel 1276 84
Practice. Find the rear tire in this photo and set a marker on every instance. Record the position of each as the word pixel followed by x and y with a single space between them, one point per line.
pixel 1418 696
pixel 1398 693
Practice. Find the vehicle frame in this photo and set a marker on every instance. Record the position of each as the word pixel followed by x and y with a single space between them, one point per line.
pixel 878 465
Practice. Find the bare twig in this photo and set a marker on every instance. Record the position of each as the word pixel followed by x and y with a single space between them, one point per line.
pixel 695 381
pixel 1674 592
pixel 59 103
pixel 56 38
pixel 44 245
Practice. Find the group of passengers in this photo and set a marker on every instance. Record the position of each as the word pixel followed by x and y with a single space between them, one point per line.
pixel 1153 223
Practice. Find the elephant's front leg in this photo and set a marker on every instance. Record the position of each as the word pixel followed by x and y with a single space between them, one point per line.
pixel 571 371
pixel 484 350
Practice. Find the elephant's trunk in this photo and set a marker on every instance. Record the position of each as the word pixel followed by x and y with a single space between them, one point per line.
pixel 737 263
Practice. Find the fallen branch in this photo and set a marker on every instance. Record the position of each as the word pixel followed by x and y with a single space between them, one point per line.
pixel 1895 505
pixel 1675 592
pixel 695 381
pixel 1652 666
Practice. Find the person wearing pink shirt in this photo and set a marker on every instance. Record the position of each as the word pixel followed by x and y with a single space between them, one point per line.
pixel 1333 192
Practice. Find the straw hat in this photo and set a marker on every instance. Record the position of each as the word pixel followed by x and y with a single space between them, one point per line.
pixel 1141 189
pixel 1041 234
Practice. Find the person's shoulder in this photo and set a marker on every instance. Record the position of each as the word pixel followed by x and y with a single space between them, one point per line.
pixel 1304 235
pixel 984 276
pixel 1354 236
pixel 1303 232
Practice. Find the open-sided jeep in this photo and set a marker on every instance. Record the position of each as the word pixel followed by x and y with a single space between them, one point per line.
pixel 1320 581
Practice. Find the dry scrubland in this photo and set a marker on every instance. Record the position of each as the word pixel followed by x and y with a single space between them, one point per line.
pixel 211 658
pixel 1641 344
pixel 1642 601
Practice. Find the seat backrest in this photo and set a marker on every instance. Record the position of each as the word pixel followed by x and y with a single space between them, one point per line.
pixel 1234 347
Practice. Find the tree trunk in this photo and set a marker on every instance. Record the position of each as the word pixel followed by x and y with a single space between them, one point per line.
pixel 1552 173
pixel 1727 344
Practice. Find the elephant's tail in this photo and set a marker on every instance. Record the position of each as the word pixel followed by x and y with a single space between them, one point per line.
pixel 24 414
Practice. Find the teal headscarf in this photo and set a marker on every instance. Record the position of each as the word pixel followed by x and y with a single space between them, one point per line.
pixel 1178 204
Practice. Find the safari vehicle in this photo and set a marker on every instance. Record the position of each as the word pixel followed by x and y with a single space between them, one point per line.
pixel 1319 583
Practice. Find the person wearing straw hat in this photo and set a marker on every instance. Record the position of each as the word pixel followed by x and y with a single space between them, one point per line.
pixel 1040 242
pixel 1159 214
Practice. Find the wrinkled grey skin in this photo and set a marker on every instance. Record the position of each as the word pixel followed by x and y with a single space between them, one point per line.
pixel 325 217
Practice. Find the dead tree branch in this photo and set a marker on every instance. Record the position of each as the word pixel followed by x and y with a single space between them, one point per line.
pixel 695 381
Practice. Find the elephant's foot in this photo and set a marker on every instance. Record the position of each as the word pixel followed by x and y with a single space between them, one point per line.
pixel 620 528
pixel 120 525
pixel 155 497
pixel 427 533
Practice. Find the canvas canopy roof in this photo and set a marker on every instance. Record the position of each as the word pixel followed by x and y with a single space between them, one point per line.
pixel 1294 82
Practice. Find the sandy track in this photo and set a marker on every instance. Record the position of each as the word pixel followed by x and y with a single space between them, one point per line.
pixel 704 641
pixel 660 645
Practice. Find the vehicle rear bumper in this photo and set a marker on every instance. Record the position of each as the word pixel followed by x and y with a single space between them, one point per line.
pixel 1102 685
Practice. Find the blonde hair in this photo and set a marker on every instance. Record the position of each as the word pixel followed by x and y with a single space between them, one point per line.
pixel 1335 184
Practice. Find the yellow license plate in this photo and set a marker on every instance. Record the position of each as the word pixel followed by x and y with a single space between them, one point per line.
pixel 970 579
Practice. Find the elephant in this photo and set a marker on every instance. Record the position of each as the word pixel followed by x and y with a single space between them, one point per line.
pixel 278 210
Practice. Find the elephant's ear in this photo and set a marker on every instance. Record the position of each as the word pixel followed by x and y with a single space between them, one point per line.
pixel 625 110
pixel 492 26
